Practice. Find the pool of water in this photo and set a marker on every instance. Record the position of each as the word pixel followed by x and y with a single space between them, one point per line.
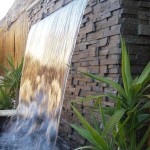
pixel 12 142
pixel 8 142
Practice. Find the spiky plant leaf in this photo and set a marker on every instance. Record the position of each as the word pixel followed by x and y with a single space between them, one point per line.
pixel 113 121
pixel 98 139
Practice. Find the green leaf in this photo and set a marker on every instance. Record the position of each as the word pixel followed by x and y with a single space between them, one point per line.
pixel 88 98
pixel 116 98
pixel 124 78
pixel 96 104
pixel 146 81
pixel 134 81
pixel 133 140
pixel 83 133
pixel 141 94
pixel 96 124
pixel 102 114
pixel 98 139
pixel 142 124
pixel 111 124
pixel 121 137
pixel 109 110
pixel 148 96
pixel 126 71
pixel 146 105
pixel 135 88
pixel 10 61
pixel 144 74
pixel 87 147
pixel 5 69
pixel 142 117
pixel 144 139
pixel 108 81
pixel 112 97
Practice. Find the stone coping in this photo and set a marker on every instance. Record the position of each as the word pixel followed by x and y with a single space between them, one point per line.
pixel 33 5
pixel 8 113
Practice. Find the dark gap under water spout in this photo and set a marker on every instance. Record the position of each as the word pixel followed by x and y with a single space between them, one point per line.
pixel 48 52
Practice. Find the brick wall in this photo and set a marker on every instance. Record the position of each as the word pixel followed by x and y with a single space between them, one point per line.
pixel 136 31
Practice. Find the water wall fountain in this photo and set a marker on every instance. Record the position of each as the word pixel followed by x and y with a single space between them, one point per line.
pixel 48 53
pixel 97 49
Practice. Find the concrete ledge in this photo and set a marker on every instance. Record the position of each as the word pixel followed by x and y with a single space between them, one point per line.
pixel 8 113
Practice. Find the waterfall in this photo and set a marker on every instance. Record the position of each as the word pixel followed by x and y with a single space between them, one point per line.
pixel 48 53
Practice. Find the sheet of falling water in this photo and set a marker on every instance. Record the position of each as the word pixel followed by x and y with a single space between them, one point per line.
pixel 48 52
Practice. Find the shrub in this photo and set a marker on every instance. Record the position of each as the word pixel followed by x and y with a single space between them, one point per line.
pixel 131 99
pixel 10 83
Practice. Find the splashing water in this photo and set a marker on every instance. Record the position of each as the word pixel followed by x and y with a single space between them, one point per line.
pixel 49 49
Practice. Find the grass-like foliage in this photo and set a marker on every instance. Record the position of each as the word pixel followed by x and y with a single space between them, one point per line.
pixel 5 99
pixel 129 115
pixel 10 83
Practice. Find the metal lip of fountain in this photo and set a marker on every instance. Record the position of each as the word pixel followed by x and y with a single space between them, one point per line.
pixel 48 52
pixel 8 113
